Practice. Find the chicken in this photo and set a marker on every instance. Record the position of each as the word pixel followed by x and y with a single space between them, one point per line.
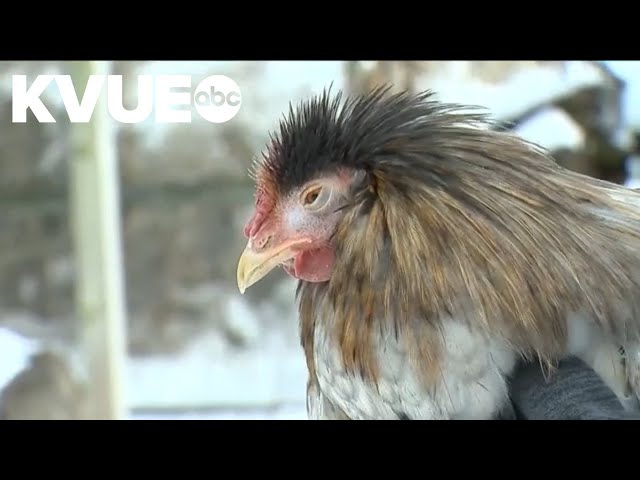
pixel 433 253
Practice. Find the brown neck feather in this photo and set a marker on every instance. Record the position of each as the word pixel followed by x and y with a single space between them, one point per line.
pixel 485 229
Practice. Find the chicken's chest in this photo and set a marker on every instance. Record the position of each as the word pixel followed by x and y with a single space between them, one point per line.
pixel 472 385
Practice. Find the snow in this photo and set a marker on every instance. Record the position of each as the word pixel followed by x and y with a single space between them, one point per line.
pixel 207 373
pixel 16 350
pixel 629 72
pixel 553 129
pixel 265 384
pixel 240 320
pixel 268 369
pixel 525 89
pixel 286 413
pixel 265 378
pixel 633 172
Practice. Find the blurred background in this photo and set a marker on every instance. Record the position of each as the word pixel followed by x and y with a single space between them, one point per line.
pixel 193 346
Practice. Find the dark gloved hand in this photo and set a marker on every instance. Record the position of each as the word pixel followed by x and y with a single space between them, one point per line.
pixel 573 392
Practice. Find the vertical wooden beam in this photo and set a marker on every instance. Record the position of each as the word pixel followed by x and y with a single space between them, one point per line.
pixel 95 214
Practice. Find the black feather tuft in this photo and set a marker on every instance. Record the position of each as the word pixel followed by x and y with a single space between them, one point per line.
pixel 324 133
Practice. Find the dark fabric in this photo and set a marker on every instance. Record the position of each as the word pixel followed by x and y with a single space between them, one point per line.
pixel 573 392
pixel 508 413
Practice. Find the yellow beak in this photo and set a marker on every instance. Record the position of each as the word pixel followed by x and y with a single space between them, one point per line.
pixel 254 266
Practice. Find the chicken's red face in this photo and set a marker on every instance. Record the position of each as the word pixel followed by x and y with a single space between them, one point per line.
pixel 295 230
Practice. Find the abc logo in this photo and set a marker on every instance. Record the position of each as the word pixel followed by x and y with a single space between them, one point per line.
pixel 217 98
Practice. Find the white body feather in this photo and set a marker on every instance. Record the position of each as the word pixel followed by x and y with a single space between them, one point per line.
pixel 474 380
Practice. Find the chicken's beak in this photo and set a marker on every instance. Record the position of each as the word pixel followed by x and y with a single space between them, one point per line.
pixel 253 266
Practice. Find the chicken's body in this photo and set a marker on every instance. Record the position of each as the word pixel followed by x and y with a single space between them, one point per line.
pixel 434 253
pixel 473 383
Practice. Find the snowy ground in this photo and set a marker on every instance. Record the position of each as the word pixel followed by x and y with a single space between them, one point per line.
pixel 16 350
pixel 268 384
pixel 211 378
pixel 286 413
pixel 205 374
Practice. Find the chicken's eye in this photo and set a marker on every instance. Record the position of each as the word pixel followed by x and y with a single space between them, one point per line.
pixel 315 197
pixel 311 196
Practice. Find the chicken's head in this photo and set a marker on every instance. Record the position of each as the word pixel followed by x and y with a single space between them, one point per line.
pixel 304 183
pixel 326 168
pixel 296 229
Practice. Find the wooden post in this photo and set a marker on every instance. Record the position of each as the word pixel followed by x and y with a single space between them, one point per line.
pixel 95 216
